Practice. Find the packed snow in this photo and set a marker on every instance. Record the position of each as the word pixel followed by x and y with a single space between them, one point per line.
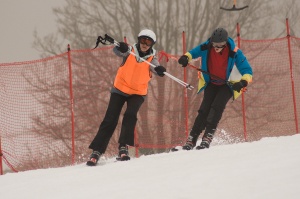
pixel 269 168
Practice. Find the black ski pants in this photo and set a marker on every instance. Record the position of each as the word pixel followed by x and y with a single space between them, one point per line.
pixel 211 109
pixel 110 121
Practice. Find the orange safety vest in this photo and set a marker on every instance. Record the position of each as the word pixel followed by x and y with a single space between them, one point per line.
pixel 133 77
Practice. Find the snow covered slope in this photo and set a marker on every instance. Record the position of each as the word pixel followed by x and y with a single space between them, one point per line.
pixel 269 168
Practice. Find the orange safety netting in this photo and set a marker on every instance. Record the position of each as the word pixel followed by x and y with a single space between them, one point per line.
pixel 36 107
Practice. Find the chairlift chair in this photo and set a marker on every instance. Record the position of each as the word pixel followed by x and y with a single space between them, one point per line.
pixel 234 8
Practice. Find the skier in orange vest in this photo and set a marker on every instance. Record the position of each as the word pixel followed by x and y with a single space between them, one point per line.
pixel 130 86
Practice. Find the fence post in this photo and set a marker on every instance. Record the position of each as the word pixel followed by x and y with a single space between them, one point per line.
pixel 72 104
pixel 291 72
pixel 1 166
pixel 185 90
pixel 243 97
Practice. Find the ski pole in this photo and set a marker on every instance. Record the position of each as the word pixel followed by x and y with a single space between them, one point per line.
pixel 211 75
pixel 205 72
pixel 111 40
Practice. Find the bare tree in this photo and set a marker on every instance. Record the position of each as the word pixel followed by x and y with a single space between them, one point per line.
pixel 80 22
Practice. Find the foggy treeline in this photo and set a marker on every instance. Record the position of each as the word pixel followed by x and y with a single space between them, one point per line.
pixel 79 22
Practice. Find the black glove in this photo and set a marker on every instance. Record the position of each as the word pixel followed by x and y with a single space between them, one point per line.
pixel 183 60
pixel 123 48
pixel 239 85
pixel 160 70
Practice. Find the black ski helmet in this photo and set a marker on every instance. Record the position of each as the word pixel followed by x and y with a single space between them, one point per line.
pixel 219 35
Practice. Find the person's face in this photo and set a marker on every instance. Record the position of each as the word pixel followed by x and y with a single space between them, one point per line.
pixel 219 46
pixel 145 43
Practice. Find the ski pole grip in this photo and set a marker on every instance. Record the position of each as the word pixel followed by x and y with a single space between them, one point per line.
pixel 109 39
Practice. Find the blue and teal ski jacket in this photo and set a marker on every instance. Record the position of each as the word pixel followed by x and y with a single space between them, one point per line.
pixel 236 59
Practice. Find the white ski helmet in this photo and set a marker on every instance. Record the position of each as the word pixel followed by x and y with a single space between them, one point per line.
pixel 148 33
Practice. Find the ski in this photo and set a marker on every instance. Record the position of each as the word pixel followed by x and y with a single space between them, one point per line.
pixel 92 162
pixel 177 148
pixel 123 158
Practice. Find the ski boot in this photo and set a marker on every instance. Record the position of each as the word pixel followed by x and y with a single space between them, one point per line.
pixel 123 154
pixel 206 140
pixel 190 143
pixel 204 145
pixel 93 159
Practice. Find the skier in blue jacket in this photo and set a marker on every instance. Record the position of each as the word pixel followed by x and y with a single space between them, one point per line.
pixel 219 58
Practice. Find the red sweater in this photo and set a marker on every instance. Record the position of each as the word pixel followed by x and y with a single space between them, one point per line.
pixel 217 64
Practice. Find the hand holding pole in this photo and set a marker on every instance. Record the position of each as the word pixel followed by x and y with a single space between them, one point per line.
pixel 112 41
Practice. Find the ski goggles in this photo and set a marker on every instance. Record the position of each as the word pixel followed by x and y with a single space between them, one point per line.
pixel 145 40
pixel 218 45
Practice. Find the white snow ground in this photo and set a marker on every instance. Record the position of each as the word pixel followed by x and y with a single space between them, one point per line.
pixel 269 168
